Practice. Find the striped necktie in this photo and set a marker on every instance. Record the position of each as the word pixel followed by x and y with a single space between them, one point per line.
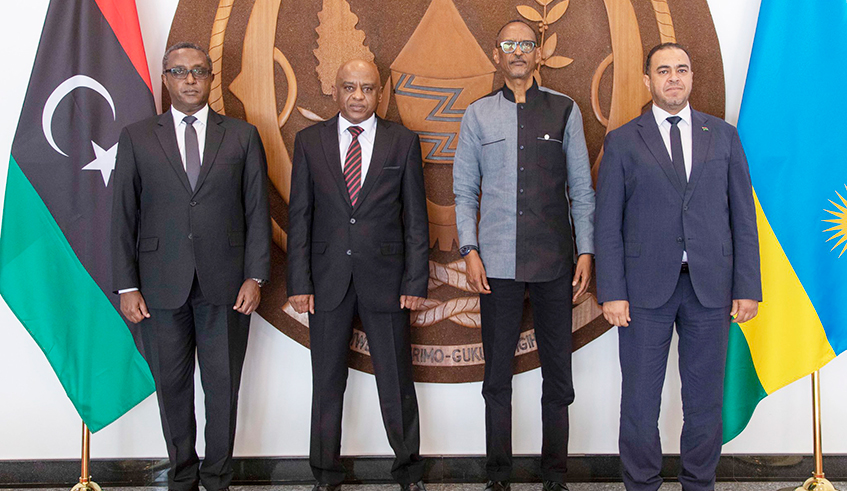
pixel 353 165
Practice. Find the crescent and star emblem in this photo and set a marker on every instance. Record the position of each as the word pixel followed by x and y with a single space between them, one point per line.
pixel 104 160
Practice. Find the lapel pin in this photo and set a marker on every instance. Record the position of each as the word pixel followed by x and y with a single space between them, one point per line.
pixel 705 128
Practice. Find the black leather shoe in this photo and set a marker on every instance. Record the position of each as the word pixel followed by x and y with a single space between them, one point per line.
pixel 555 486
pixel 498 486
pixel 326 487
pixel 415 486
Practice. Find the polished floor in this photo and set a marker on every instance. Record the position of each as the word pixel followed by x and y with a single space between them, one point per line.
pixel 581 486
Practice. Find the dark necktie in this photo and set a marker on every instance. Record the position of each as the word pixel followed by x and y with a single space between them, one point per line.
pixel 192 151
pixel 676 150
pixel 353 165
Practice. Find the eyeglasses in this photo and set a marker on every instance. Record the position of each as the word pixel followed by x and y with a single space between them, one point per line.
pixel 509 47
pixel 181 73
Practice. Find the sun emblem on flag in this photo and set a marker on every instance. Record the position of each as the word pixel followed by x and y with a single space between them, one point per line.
pixel 840 228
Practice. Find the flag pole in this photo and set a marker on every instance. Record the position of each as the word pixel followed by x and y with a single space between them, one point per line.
pixel 817 482
pixel 85 482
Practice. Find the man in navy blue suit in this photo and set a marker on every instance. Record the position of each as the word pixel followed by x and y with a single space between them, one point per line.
pixel 676 244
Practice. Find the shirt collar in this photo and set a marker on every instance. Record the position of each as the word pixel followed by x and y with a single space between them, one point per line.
pixel 661 115
pixel 530 92
pixel 202 115
pixel 368 127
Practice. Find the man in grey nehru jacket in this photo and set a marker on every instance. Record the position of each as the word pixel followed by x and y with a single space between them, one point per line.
pixel 522 179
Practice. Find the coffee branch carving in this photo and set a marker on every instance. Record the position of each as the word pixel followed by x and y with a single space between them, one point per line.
pixel 548 44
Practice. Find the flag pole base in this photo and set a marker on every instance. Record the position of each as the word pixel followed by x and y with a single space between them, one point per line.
pixel 817 484
pixel 89 485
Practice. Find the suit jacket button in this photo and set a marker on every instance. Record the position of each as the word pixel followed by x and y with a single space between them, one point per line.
pixel 685 208
pixel 190 236
pixel 349 252
pixel 679 239
pixel 193 203
pixel 352 221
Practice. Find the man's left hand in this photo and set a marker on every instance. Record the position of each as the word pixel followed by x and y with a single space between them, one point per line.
pixel 744 309
pixel 582 274
pixel 410 302
pixel 248 297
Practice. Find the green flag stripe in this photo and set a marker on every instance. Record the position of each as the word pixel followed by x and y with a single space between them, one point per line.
pixel 742 388
pixel 84 338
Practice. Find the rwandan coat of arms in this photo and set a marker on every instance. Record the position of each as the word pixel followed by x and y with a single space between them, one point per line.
pixel 275 63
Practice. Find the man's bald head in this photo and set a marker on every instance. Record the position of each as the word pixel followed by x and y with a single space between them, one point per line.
pixel 357 90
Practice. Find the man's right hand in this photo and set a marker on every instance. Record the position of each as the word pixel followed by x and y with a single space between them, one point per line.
pixel 617 312
pixel 477 280
pixel 303 303
pixel 133 306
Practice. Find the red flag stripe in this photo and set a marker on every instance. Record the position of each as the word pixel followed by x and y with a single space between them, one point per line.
pixel 122 16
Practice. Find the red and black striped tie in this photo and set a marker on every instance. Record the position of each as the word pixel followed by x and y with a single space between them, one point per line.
pixel 353 165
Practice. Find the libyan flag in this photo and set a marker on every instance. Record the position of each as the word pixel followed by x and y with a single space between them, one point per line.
pixel 793 129
pixel 90 79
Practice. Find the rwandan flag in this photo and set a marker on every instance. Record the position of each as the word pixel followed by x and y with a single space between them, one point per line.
pixel 794 129
pixel 90 79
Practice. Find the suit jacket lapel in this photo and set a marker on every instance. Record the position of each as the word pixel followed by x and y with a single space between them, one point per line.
pixel 167 138
pixel 329 141
pixel 701 143
pixel 383 142
pixel 650 133
pixel 214 136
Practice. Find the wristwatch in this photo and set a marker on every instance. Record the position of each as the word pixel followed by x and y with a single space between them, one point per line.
pixel 465 250
pixel 259 281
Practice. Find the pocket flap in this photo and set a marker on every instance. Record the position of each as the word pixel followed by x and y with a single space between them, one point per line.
pixel 236 239
pixel 389 248
pixel 147 244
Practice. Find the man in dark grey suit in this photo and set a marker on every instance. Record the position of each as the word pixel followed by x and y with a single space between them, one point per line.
pixel 191 248
pixel 358 243
pixel 676 243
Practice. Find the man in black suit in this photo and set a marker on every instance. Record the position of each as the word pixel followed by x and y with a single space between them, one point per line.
pixel 358 244
pixel 676 243
pixel 191 248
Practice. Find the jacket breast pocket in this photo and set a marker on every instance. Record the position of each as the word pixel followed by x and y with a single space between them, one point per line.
pixel 228 161
pixel 148 244
pixel 493 151
pixel 551 155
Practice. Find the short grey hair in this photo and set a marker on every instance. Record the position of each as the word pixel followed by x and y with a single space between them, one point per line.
pixel 185 45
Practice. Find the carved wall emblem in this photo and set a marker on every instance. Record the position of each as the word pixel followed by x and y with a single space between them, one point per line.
pixel 271 57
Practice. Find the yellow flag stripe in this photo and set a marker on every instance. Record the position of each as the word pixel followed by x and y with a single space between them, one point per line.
pixel 786 339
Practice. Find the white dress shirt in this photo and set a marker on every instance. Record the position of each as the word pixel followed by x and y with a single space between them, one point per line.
pixel 366 140
pixel 685 135
pixel 199 127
